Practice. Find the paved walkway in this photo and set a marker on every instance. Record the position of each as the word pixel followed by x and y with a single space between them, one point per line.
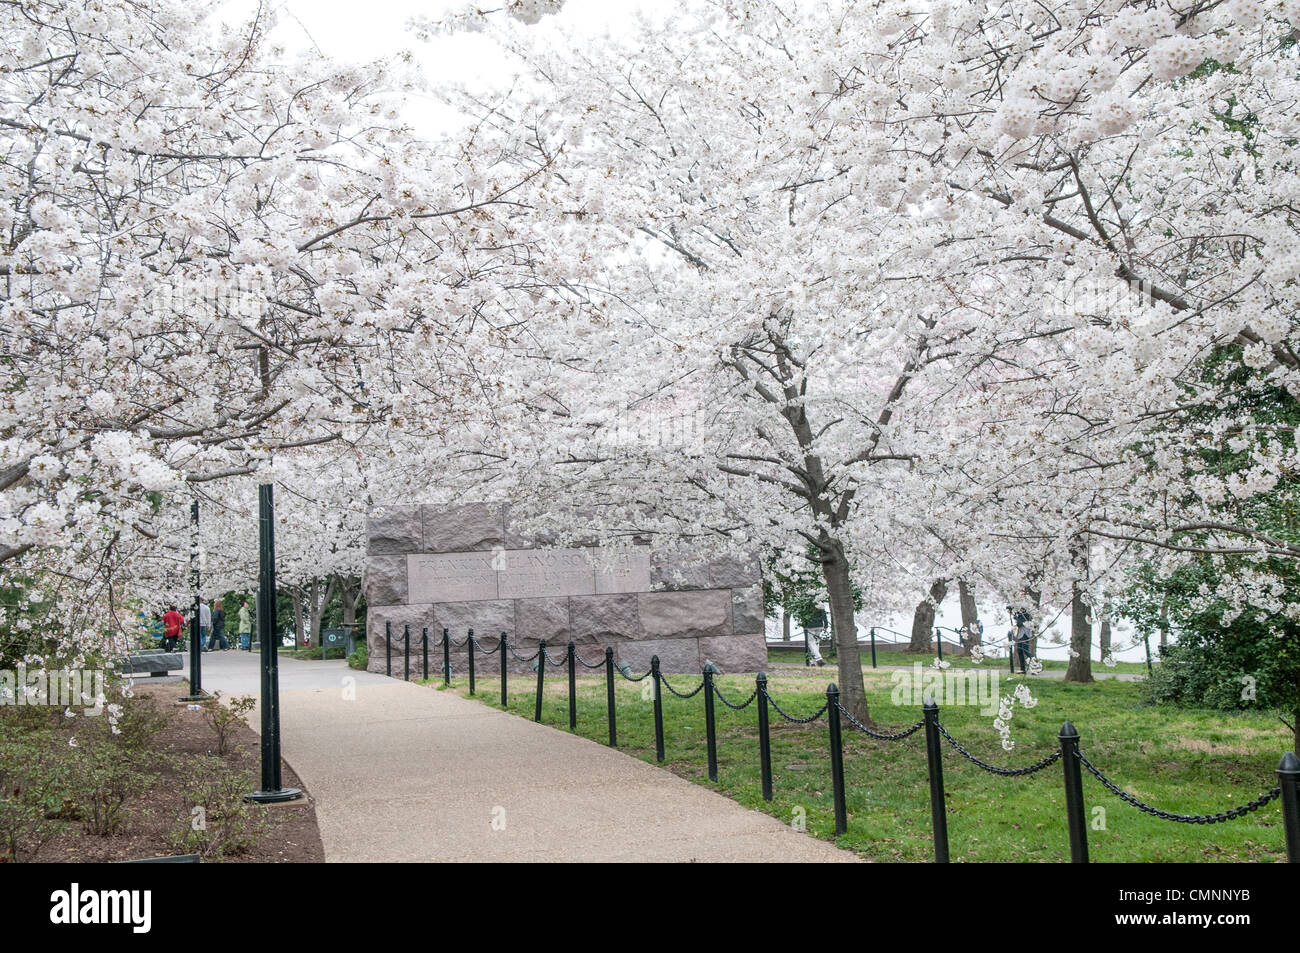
pixel 405 773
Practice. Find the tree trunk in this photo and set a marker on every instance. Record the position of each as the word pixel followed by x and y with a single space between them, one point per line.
pixel 350 595
pixel 1104 636
pixel 296 594
pixel 923 618
pixel 839 587
pixel 1080 668
pixel 969 614
pixel 785 625
pixel 319 603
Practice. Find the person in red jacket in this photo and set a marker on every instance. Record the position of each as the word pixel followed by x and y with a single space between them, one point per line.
pixel 173 623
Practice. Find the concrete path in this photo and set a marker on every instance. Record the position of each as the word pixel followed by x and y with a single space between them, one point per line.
pixel 405 773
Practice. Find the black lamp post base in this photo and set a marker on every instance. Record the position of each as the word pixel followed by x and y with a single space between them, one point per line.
pixel 274 797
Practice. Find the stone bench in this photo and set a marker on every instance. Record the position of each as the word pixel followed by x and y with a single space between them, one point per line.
pixel 153 662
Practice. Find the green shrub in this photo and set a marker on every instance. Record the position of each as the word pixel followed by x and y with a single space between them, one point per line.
pixel 101 777
pixel 33 785
pixel 225 720
pixel 219 822
pixel 140 722
pixel 314 653
pixel 360 658
pixel 1230 672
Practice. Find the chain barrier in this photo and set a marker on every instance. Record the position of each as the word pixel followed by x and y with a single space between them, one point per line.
pixel 994 769
pixel 585 664
pixel 663 681
pixel 879 735
pixel 1230 814
pixel 791 718
pixel 1145 808
pixel 732 705
pixel 519 657
pixel 479 645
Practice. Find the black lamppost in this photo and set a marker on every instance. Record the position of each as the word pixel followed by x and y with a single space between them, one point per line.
pixel 271 790
pixel 196 662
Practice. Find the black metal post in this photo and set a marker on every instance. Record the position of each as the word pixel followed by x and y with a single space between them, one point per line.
pixel 406 651
pixel 938 641
pixel 446 658
pixel 873 646
pixel 659 709
pixel 764 742
pixel 424 647
pixel 271 777
pixel 837 759
pixel 609 696
pixel 469 642
pixel 388 648
pixel 196 692
pixel 1074 811
pixel 541 675
pixel 504 653
pixel 934 754
pixel 1011 653
pixel 1288 778
pixel 573 687
pixel 710 730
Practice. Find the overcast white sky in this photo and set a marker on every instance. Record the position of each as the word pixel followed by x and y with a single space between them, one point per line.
pixel 374 29
pixel 367 30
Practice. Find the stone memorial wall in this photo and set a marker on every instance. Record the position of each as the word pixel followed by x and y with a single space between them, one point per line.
pixel 465 567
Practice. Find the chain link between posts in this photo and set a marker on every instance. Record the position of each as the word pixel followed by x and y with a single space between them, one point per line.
pixel 994 769
pixel 791 718
pixel 521 658
pixel 1145 808
pixel 878 735
pixel 663 681
pixel 585 664
pixel 732 705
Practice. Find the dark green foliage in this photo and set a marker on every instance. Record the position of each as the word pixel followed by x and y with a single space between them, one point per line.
pixel 360 658
pixel 1230 656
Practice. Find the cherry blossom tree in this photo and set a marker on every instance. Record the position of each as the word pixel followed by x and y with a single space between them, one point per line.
pixel 916 277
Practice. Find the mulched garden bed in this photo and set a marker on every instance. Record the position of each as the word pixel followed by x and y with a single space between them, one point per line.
pixel 291 834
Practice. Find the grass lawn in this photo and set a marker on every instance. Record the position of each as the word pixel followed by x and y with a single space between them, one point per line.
pixel 1190 762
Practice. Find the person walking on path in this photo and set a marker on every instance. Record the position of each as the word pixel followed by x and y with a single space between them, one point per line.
pixel 217 638
pixel 245 626
pixel 205 625
pixel 173 622
pixel 153 626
